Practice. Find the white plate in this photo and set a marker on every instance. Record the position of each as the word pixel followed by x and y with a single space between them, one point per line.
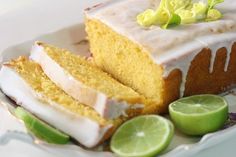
pixel 72 38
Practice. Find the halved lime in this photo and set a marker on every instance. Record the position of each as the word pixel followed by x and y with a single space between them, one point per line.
pixel 199 114
pixel 142 136
pixel 40 129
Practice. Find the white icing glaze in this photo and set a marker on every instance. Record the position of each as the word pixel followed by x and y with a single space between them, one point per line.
pixel 83 129
pixel 229 51
pixel 176 47
pixel 212 61
pixel 109 108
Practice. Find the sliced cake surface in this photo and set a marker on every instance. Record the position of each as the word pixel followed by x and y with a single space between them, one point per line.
pixel 86 82
pixel 163 64
pixel 24 81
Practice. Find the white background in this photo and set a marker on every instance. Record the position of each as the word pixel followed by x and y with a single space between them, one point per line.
pixel 22 20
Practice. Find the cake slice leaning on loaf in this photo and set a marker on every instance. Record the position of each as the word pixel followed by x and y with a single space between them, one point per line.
pixel 24 82
pixel 87 83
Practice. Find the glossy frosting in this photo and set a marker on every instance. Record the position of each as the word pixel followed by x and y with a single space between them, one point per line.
pixel 175 47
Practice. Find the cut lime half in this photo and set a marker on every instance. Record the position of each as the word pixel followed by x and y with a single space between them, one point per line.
pixel 142 136
pixel 40 129
pixel 199 114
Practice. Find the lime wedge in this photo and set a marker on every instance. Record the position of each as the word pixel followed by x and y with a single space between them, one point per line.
pixel 40 129
pixel 142 136
pixel 199 114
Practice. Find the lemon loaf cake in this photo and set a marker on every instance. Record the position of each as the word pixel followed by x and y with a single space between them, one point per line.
pixel 163 64
pixel 87 83
pixel 24 82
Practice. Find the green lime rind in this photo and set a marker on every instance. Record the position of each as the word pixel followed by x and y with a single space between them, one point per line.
pixel 199 114
pixel 40 129
pixel 142 136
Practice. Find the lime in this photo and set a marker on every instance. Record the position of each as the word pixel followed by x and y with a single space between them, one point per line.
pixel 40 129
pixel 199 114
pixel 142 136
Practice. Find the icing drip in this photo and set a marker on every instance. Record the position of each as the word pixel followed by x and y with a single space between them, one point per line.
pixel 229 51
pixel 215 48
pixel 212 60
pixel 183 63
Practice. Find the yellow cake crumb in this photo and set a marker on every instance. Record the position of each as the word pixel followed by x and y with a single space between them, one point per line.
pixel 127 62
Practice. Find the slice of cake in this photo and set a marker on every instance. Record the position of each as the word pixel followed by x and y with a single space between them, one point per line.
pixel 86 82
pixel 163 64
pixel 24 82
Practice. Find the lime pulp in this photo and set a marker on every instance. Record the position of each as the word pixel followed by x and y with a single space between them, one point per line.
pixel 142 136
